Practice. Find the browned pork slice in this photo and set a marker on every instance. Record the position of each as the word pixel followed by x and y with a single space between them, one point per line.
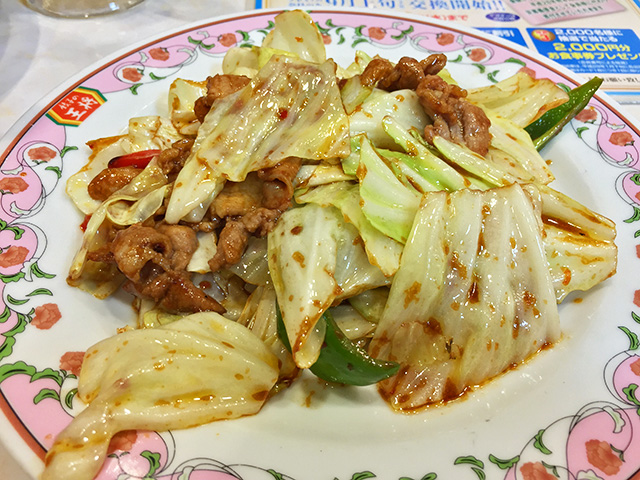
pixel 407 73
pixel 472 297
pixel 251 208
pixel 218 86
pixel 454 118
pixel 154 261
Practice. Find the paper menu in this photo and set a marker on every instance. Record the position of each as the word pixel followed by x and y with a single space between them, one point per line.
pixel 538 12
pixel 590 37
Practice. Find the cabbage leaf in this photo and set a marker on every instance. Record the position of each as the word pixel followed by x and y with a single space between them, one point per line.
pixel 143 133
pixel 519 98
pixel 512 150
pixel 183 94
pixel 473 296
pixel 381 250
pixel 290 108
pixel 386 202
pixel 193 371
pixel 295 32
pixel 315 260
pixel 302 253
pixel 134 203
pixel 437 171
pixel 579 243
pixel 403 105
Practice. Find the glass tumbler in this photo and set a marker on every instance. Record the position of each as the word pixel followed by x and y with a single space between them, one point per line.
pixel 79 8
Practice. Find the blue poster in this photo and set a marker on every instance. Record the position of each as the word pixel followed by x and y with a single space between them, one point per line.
pixel 590 50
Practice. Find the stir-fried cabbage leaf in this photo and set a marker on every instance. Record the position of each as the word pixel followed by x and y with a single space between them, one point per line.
pixel 512 150
pixel 302 261
pixel 388 204
pixel 381 250
pixel 473 163
pixel 195 370
pixel 579 243
pixel 403 105
pixel 519 98
pixel 370 304
pixel 350 322
pixel 472 297
pixel 323 173
pixel 143 133
pixel 183 94
pixel 316 259
pixel 241 61
pixel 296 32
pixel 290 108
pixel 354 272
pixel 259 316
pixel 432 167
pixel 134 203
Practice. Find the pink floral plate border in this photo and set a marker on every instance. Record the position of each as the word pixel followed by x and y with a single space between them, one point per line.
pixel 597 438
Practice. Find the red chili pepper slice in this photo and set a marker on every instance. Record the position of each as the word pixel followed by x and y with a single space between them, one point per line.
pixel 135 159
pixel 85 222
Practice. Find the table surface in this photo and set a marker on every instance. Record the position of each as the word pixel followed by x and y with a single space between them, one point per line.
pixel 37 53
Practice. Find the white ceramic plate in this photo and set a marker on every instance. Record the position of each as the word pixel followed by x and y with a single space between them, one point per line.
pixel 570 413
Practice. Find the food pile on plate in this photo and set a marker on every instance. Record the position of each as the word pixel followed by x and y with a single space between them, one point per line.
pixel 374 223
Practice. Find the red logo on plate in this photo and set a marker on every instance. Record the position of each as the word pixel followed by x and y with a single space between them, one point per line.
pixel 76 106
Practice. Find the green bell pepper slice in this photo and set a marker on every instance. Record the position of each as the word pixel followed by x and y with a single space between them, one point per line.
pixel 551 122
pixel 341 360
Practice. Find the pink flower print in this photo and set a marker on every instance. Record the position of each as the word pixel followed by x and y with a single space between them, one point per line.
pixel 326 39
pixel 72 362
pixel 227 39
pixel 528 71
pixel 635 367
pixel 535 471
pixel 587 115
pixel 46 316
pixel 132 74
pixel 12 256
pixel 13 185
pixel 621 139
pixel 445 39
pixel 477 54
pixel 377 33
pixel 159 53
pixel 41 154
pixel 123 441
pixel 601 456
